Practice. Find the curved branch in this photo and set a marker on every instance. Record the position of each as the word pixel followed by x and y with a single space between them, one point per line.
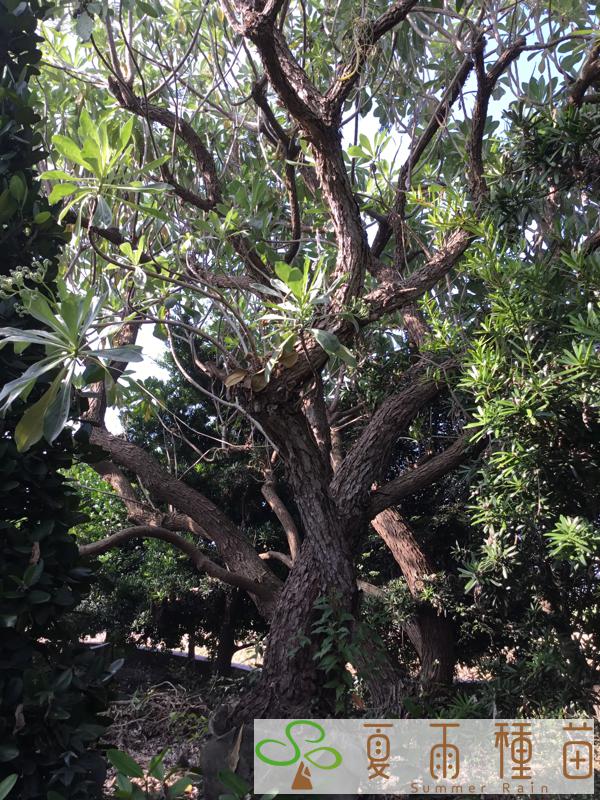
pixel 368 458
pixel 486 82
pixel 277 556
pixel 589 75
pixel 363 586
pixel 425 475
pixel 233 547
pixel 196 556
pixel 283 515
pixel 393 295
pixel 203 158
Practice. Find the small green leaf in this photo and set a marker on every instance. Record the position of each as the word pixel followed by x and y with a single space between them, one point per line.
pixel 125 133
pixel 346 356
pixel 8 752
pixel 57 175
pixel 234 782
pixel 57 414
pixel 155 767
pixel 147 9
pixel 328 341
pixel 178 788
pixel 37 597
pixel 84 25
pixel 61 190
pixel 18 188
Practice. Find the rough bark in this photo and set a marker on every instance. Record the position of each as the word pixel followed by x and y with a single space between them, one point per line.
pixel 290 680
pixel 430 632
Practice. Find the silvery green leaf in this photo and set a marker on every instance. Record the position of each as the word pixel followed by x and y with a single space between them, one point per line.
pixel 84 25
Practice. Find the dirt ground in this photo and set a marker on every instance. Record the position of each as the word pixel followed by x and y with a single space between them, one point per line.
pixel 164 701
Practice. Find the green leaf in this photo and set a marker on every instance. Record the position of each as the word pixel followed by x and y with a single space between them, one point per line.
pixel 18 188
pixel 125 132
pixel 178 788
pixel 6 786
pixel 84 25
pixel 125 785
pixel 61 190
pixel 30 427
pixel 57 175
pixel 33 573
pixel 147 9
pixel 69 150
pixel 357 152
pixel 129 352
pixel 88 129
pixel 125 763
pixel 37 597
pixel 155 767
pixel 328 341
pixel 22 385
pixel 8 752
pixel 57 414
pixel 232 781
pixel 346 356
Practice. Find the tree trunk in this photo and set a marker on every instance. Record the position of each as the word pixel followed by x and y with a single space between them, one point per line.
pixel 291 682
pixel 431 633
pixel 226 647
pixel 191 648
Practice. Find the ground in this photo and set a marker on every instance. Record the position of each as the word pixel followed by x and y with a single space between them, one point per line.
pixel 164 701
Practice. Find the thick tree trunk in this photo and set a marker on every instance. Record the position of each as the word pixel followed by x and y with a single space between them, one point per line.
pixel 291 681
pixel 430 632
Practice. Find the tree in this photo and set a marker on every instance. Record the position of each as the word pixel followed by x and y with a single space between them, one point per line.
pixel 291 191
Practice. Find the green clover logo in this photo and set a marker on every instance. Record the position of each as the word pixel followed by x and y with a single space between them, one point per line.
pixel 302 779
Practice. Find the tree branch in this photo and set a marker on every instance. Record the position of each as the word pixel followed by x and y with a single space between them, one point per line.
pixel 590 74
pixel 393 222
pixel 234 548
pixel 201 562
pixel 278 507
pixel 392 295
pixel 368 458
pixel 369 33
pixel 486 82
pixel 423 476
pixel 203 158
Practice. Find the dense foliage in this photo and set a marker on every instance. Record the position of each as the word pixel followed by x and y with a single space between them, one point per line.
pixel 52 690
